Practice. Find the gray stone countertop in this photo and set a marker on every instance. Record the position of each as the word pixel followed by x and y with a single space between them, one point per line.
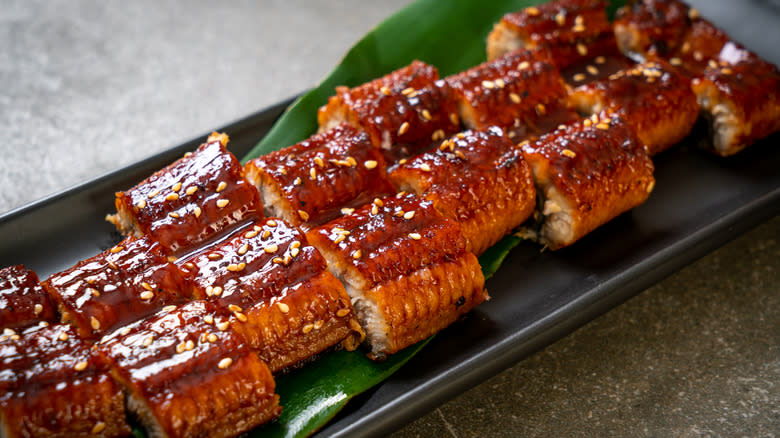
pixel 88 87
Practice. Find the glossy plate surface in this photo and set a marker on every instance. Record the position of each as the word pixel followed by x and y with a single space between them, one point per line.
pixel 700 201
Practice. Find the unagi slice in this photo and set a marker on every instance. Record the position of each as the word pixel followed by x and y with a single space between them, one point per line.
pixel 404 112
pixel 477 178
pixel 519 92
pixel 188 373
pixel 740 102
pixel 309 183
pixel 195 198
pixel 652 97
pixel 586 174
pixel 23 301
pixel 406 268
pixel 125 283
pixel 276 286
pixel 52 384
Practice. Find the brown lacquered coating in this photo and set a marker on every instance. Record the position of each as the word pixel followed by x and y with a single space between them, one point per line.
pixel 122 284
pixel 750 90
pixel 23 302
pixel 282 286
pixel 652 25
pixel 596 68
pixel 506 91
pixel 426 301
pixel 377 239
pixel 321 175
pixel 559 26
pixel 189 377
pixel 604 173
pixel 652 97
pixel 477 178
pixel 165 207
pixel 401 111
pixel 53 385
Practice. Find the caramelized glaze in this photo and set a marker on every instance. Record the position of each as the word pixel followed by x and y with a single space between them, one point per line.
pixel 23 301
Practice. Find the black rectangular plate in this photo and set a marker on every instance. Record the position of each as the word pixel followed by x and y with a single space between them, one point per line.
pixel 700 202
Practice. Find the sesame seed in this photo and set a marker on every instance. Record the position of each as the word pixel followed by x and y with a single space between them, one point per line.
pixel 147 295
pixel 378 202
pixel 141 204
pixel 63 336
pixel 266 234
pixel 189 265
pixel 415 236
pixel 569 153
pixel 174 215
pixel 342 312
pixel 98 427
pixel 270 249
pixel 295 244
pixel 540 109
pixel 180 348
pixel 560 18
pixel 698 55
pixel 222 202
pixel 523 65
pixel 271 223
pixel 223 325
pixel 297 181
pixel 94 292
pixel 203 338
pixel 147 286
pixel 404 127
pixel 209 290
pixel 650 186
pixel 153 194
pixel 171 196
pixel 94 323
pixel 307 328
pixel 318 324
pixel 113 265
pixel 191 189
pixel 171 259
pixel 592 70
pixel 233 267
pixel 244 248
pixel 224 363
pixel 578 28
pixel 488 84
pixel 125 331
pixel 385 91
pixel 240 316
pixel 176 187
pixel 600 60
pixel 189 345
pixel 425 167
pixel 148 341
pixel 211 338
pixel 116 249
pixel 579 77
pixel 234 308
pixel 726 71
pixel 197 211
pixel 312 173
pixel 407 91
pixel 340 238
pixel 278 260
pixel 693 13
pixel 169 308
pixel 408 215
pixel 81 366
pixel 402 161
pixel 284 308
pixel 499 83
pixel 453 119
pixel 514 97
pixel 426 114
pixel 352 162
pixel 250 234
pixel 581 49
pixel 221 186
pixel 303 215
pixel 214 256
pixel 602 126
pixel 294 252
pixel 356 254
pixel 532 11
pixel 208 319
pixel 460 155
pixel 187 154
pixel 38 309
pixel 318 161
pixel 579 20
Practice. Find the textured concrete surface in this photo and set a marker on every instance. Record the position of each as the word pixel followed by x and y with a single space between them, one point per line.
pixel 88 87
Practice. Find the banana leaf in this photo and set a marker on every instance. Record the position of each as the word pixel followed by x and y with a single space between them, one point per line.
pixel 450 34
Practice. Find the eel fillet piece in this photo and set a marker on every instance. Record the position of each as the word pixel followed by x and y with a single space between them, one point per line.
pixel 188 373
pixel 406 268
pixel 23 301
pixel 309 183
pixel 196 198
pixel 127 282
pixel 586 174
pixel 281 297
pixel 53 384
pixel 404 112
pixel 477 178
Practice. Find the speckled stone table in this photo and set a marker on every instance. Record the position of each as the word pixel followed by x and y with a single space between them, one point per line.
pixel 89 87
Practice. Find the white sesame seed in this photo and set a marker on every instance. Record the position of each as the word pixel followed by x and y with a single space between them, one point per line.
pixel 569 153
pixel 318 161
pixel 98 427
pixel 63 336
pixel 602 126
pixel 176 187
pixel 347 210
pixel 408 215
pixel 116 249
pixel 171 196
pixel 125 331
pixel 153 194
pixel 579 77
pixel 404 127
pixel 407 91
pixel 318 324
pixel 294 252
pixel 374 209
pixel 693 13
pixel 488 84
pixel 223 325
pixel 270 249
pixel 191 189
pixel 385 91
pixel 208 319
pixel 425 167
pixel 592 70
pixel 415 236
pixel 221 186
pixel 180 348
pixel 148 341
pixel 224 363
pixel 141 204
pixel 523 65
pixel 303 215
pixel 312 173
pixel 197 211
pixel 284 308
pixel 514 97
pixel 453 119
pixel 342 312
pixel 211 338
pixel 307 328
pixel 222 202
pixel 81 366
pixel 236 267
pixel 532 11
pixel 356 254
pixel 244 248
pixel 189 345
pixel 38 309
pixel 147 286
pixel 560 18
pixel 600 60
pixel 581 49
pixel 169 308
pixel 240 316
pixel 250 234
pixel 94 323
pixel 234 308
pixel 147 295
